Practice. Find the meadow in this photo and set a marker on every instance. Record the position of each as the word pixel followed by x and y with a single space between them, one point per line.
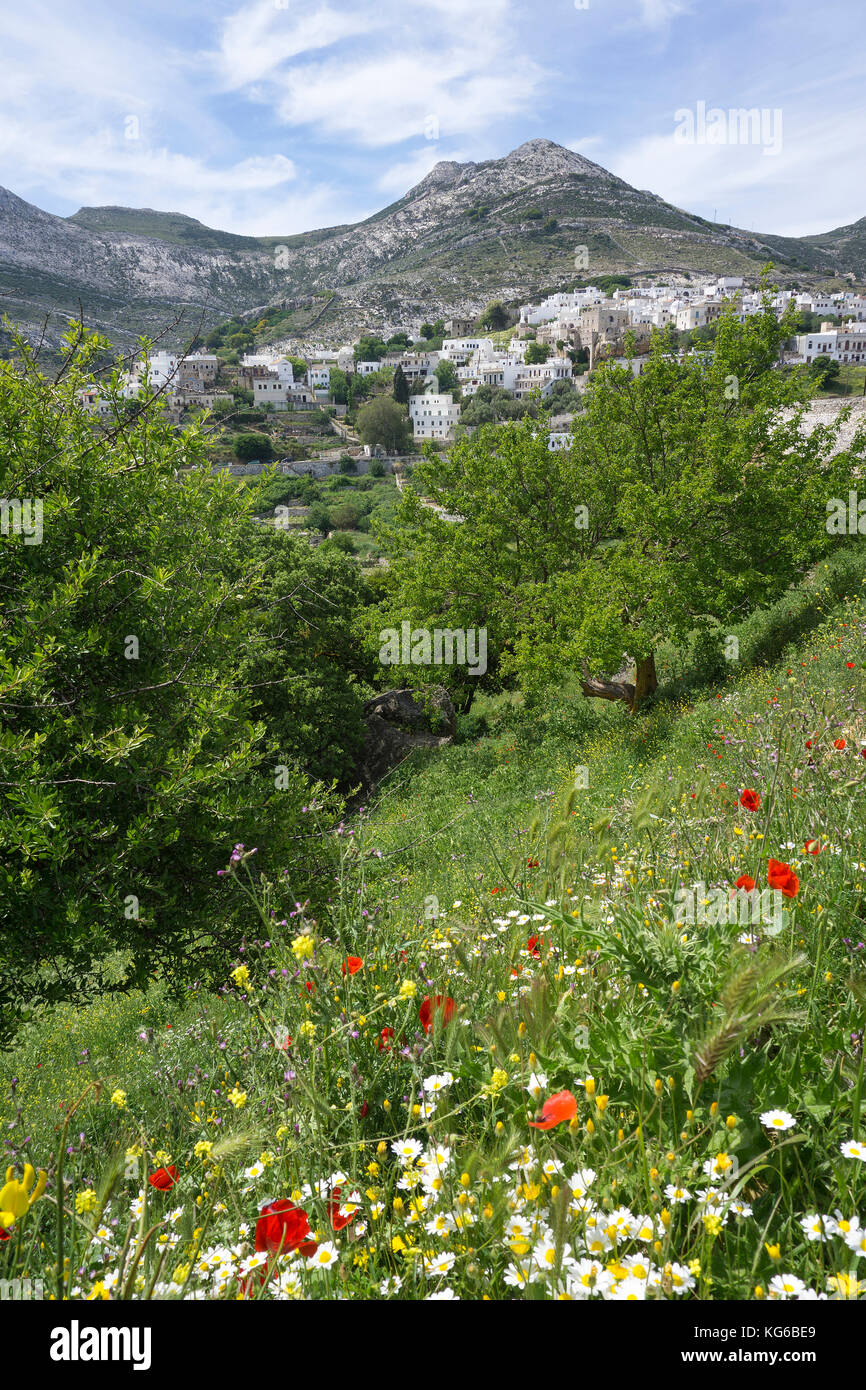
pixel 540 1043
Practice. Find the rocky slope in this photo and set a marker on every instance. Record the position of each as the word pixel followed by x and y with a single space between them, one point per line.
pixel 467 232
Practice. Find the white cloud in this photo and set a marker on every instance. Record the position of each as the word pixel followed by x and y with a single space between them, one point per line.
pixel 806 188
pixel 373 75
pixel 400 177
pixel 585 143
pixel 656 13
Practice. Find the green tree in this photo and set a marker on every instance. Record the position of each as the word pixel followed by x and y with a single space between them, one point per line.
pixel 131 758
pixel 446 376
pixel 824 370
pixel 304 666
pixel 495 316
pixel 689 497
pixel 401 386
pixel 346 515
pixel 537 352
pixel 339 386
pixel 369 348
pixel 383 423
pixel 247 447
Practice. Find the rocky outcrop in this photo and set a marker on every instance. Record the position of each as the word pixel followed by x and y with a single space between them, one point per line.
pixel 463 235
pixel 398 722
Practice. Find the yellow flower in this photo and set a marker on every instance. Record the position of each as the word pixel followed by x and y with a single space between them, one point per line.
pixel 773 1251
pixel 15 1197
pixel 118 1098
pixel 408 990
pixel 241 976
pixel 237 1097
pixel 203 1148
pixel 303 946
pixel 85 1201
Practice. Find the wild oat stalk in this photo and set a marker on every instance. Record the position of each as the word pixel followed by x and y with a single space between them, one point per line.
pixel 749 1004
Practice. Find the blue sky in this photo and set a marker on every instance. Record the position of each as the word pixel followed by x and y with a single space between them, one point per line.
pixel 277 116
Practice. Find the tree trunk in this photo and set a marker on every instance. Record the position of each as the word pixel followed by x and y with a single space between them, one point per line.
pixel 645 681
pixel 617 688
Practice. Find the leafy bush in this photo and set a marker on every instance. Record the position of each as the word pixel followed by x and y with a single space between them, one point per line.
pixel 131 752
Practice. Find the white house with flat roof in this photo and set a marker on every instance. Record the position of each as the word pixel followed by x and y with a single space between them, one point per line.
pixel 434 415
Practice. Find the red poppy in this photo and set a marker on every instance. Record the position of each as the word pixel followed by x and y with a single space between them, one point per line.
pixel 534 945
pixel 839 743
pixel 808 743
pixel 812 847
pixel 562 1106
pixel 383 1042
pixel 532 863
pixel 247 1285
pixel 351 965
pixel 782 876
pixel 750 799
pixel 310 987
pixel 850 665
pixel 283 1226
pixel 440 1003
pixel 338 1221
pixel 863 752
pixel 4 1234
pixel 164 1179
pixel 744 881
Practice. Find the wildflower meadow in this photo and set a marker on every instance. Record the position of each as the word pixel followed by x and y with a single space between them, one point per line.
pixel 519 1054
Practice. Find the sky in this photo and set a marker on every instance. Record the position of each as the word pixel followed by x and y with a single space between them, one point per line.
pixel 269 117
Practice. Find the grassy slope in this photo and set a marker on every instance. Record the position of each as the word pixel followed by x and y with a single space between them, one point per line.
pixel 494 826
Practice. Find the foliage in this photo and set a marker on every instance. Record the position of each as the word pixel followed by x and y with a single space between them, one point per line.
pixel 382 422
pixel 688 498
pixel 251 446
pixel 446 376
pixel 713 1072
pixel 131 753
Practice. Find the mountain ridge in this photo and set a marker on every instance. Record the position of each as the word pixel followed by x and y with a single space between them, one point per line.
pixel 464 233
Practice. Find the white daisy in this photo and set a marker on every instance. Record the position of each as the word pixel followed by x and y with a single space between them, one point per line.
pixel 777 1119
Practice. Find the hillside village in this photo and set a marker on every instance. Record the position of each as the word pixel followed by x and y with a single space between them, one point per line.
pixel 545 352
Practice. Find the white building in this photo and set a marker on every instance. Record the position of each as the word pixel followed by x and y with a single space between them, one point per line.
pixel 433 415
pixel 844 344
pixel 460 350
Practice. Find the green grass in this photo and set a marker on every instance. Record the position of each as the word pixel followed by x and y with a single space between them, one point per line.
pixel 575 824
pixel 849 382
